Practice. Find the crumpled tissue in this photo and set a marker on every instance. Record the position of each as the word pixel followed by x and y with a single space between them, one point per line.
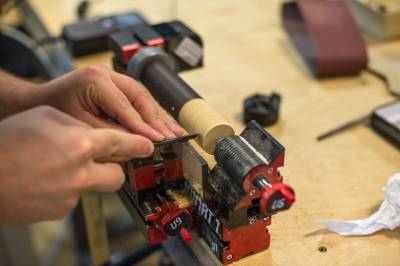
pixel 387 216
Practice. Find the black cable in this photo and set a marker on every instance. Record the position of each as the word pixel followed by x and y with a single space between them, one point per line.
pixel 354 122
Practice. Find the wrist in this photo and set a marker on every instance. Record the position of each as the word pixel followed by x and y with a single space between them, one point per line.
pixel 14 94
pixel 27 97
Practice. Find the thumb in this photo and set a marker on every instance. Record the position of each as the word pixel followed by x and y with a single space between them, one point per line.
pixel 111 145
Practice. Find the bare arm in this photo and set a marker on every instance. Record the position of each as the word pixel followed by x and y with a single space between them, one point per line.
pixel 89 93
pixel 11 89
pixel 48 159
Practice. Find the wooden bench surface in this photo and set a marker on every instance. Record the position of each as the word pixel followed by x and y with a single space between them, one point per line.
pixel 246 51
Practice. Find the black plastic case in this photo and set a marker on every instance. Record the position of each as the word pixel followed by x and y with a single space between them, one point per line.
pixel 91 35
pixel 386 121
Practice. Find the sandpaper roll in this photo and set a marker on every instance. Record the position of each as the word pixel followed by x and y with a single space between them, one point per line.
pixel 326 35
pixel 177 97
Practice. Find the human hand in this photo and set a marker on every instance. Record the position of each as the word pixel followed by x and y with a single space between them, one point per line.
pixel 89 93
pixel 48 159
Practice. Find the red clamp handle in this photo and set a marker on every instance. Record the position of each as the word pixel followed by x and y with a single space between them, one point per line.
pixel 275 198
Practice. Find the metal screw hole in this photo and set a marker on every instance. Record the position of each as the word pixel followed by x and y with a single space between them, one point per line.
pixel 322 249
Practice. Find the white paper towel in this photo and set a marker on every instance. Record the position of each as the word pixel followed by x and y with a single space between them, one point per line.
pixel 388 215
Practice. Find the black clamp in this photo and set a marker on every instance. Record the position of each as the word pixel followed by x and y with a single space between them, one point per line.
pixel 262 108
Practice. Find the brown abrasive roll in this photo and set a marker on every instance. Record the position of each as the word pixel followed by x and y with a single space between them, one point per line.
pixel 192 112
pixel 326 35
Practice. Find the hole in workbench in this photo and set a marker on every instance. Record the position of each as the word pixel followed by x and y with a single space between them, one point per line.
pixel 322 249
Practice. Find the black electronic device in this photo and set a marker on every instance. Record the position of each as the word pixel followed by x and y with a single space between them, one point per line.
pixel 386 121
pixel 91 35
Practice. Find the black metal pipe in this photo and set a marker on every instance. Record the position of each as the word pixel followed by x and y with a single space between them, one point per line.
pixel 167 87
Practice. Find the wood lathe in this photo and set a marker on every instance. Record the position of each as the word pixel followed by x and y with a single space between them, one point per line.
pixel 229 201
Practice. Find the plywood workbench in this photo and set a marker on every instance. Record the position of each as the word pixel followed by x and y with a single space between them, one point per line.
pixel 246 51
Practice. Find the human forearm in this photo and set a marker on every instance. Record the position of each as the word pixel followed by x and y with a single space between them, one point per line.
pixel 86 94
pixel 77 160
pixel 12 90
